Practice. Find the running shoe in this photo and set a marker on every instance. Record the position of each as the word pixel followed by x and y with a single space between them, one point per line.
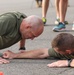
pixel 44 20
pixel 59 27
pixel 58 20
pixel 40 3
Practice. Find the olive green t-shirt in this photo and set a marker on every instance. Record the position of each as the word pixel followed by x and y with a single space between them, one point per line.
pixel 53 53
pixel 9 28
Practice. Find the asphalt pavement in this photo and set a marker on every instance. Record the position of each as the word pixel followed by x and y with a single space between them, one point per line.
pixel 36 66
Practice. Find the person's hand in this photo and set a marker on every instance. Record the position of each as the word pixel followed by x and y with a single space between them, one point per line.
pixel 60 63
pixel 8 54
pixel 3 61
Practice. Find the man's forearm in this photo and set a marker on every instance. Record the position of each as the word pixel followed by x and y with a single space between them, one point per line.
pixel 39 53
pixel 22 43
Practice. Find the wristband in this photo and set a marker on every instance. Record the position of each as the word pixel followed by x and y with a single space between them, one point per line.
pixel 69 62
pixel 22 48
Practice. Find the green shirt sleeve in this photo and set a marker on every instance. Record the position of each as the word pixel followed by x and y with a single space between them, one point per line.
pixel 53 53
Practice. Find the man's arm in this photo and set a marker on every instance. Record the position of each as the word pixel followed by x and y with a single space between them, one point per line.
pixel 62 63
pixel 3 61
pixel 22 44
pixel 39 53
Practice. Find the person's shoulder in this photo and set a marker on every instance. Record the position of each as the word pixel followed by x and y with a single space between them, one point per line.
pixel 51 49
pixel 20 15
pixel 52 52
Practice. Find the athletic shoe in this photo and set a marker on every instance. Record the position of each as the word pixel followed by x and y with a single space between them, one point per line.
pixel 59 27
pixel 57 22
pixel 73 27
pixel 66 22
pixel 44 20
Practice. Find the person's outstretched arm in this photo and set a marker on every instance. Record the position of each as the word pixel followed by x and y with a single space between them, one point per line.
pixel 39 53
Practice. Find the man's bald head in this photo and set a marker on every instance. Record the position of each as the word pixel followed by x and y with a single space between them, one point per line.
pixel 36 23
pixel 31 27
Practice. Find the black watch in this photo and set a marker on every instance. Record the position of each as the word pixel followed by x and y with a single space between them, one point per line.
pixel 69 62
pixel 22 48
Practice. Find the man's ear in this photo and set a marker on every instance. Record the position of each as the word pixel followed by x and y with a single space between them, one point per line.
pixel 28 26
pixel 68 51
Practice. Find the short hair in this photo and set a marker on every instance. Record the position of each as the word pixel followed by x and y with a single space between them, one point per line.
pixel 63 41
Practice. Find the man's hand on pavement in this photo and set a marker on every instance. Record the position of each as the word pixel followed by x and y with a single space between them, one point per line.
pixel 3 61
pixel 60 63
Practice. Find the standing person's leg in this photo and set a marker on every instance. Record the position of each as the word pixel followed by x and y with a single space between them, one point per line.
pixel 63 9
pixel 45 5
pixel 57 11
pixel 61 24
pixel 37 3
pixel 66 5
pixel 40 3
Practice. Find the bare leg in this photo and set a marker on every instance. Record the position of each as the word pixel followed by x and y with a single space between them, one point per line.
pixel 62 13
pixel 37 3
pixel 40 3
pixel 66 4
pixel 57 8
pixel 62 9
pixel 45 5
pixel 40 53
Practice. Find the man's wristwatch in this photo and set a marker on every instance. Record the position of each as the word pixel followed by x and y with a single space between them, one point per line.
pixel 69 62
pixel 22 48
